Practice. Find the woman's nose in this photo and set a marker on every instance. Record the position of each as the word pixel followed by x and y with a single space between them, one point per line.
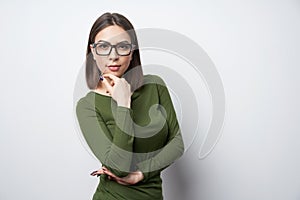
pixel 113 54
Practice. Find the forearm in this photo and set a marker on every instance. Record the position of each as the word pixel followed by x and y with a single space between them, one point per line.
pixel 113 148
pixel 119 157
pixel 165 157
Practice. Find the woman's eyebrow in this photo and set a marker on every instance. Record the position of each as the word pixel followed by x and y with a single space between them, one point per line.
pixel 123 41
pixel 102 41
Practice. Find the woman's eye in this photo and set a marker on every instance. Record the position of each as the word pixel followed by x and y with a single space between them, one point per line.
pixel 123 46
pixel 103 46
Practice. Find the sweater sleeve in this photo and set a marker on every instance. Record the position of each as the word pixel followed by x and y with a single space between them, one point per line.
pixel 174 147
pixel 113 150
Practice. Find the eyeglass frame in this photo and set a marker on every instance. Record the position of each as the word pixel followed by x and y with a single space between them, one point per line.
pixel 94 45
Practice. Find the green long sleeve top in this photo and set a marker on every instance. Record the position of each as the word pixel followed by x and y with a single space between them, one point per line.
pixel 144 137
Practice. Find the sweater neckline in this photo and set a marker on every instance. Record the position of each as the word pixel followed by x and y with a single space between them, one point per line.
pixel 100 94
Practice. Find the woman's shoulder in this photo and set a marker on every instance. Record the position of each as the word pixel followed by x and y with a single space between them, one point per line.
pixel 86 100
pixel 154 79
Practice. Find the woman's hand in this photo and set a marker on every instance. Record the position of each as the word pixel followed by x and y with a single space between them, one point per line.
pixel 131 179
pixel 119 89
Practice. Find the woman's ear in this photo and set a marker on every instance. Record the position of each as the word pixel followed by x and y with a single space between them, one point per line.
pixel 93 52
pixel 131 56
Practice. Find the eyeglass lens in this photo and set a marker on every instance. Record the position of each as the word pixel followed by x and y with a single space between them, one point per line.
pixel 104 48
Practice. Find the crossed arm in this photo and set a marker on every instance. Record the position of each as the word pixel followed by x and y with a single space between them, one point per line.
pixel 115 152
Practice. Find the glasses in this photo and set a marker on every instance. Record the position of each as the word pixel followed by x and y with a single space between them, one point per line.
pixel 104 48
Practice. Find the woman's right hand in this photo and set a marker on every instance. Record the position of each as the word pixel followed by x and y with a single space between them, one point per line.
pixel 131 179
pixel 119 89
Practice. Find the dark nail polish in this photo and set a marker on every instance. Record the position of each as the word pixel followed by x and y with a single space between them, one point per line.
pixel 93 173
pixel 101 78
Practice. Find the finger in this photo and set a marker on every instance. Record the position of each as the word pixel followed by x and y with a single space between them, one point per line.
pixel 111 76
pixel 97 172
pixel 100 171
pixel 110 174
pixel 109 80
pixel 106 171
pixel 94 172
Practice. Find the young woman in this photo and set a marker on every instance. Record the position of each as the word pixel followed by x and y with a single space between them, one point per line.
pixel 127 119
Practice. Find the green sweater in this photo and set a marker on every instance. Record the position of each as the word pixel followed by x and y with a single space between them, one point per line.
pixel 145 137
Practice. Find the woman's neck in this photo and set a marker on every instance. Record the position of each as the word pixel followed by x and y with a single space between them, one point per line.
pixel 101 89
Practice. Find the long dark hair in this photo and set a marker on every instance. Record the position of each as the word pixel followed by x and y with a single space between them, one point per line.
pixel 135 77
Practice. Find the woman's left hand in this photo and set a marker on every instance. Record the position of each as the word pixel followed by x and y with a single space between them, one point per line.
pixel 131 179
pixel 119 89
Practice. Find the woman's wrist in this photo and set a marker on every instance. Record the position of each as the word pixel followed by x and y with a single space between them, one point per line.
pixel 124 104
pixel 140 174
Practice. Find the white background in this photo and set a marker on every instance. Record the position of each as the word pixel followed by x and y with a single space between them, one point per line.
pixel 255 46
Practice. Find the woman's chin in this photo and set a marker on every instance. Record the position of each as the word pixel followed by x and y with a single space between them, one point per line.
pixel 118 74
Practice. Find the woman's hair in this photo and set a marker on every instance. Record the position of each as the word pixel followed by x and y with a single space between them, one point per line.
pixel 135 77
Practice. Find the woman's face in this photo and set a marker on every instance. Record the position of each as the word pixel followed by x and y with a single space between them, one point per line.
pixel 112 63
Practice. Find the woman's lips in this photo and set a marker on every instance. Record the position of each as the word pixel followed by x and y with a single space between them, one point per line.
pixel 114 68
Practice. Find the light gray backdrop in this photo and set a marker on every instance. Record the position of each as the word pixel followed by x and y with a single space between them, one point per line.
pixel 255 47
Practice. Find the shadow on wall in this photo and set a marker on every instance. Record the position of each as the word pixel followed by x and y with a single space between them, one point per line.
pixel 175 182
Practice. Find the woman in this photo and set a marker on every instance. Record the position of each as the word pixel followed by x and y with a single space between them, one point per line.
pixel 128 118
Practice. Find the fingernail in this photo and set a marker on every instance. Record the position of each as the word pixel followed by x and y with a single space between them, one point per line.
pixel 101 78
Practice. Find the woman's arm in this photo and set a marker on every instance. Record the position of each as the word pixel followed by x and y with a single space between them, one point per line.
pixel 174 147
pixel 113 152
